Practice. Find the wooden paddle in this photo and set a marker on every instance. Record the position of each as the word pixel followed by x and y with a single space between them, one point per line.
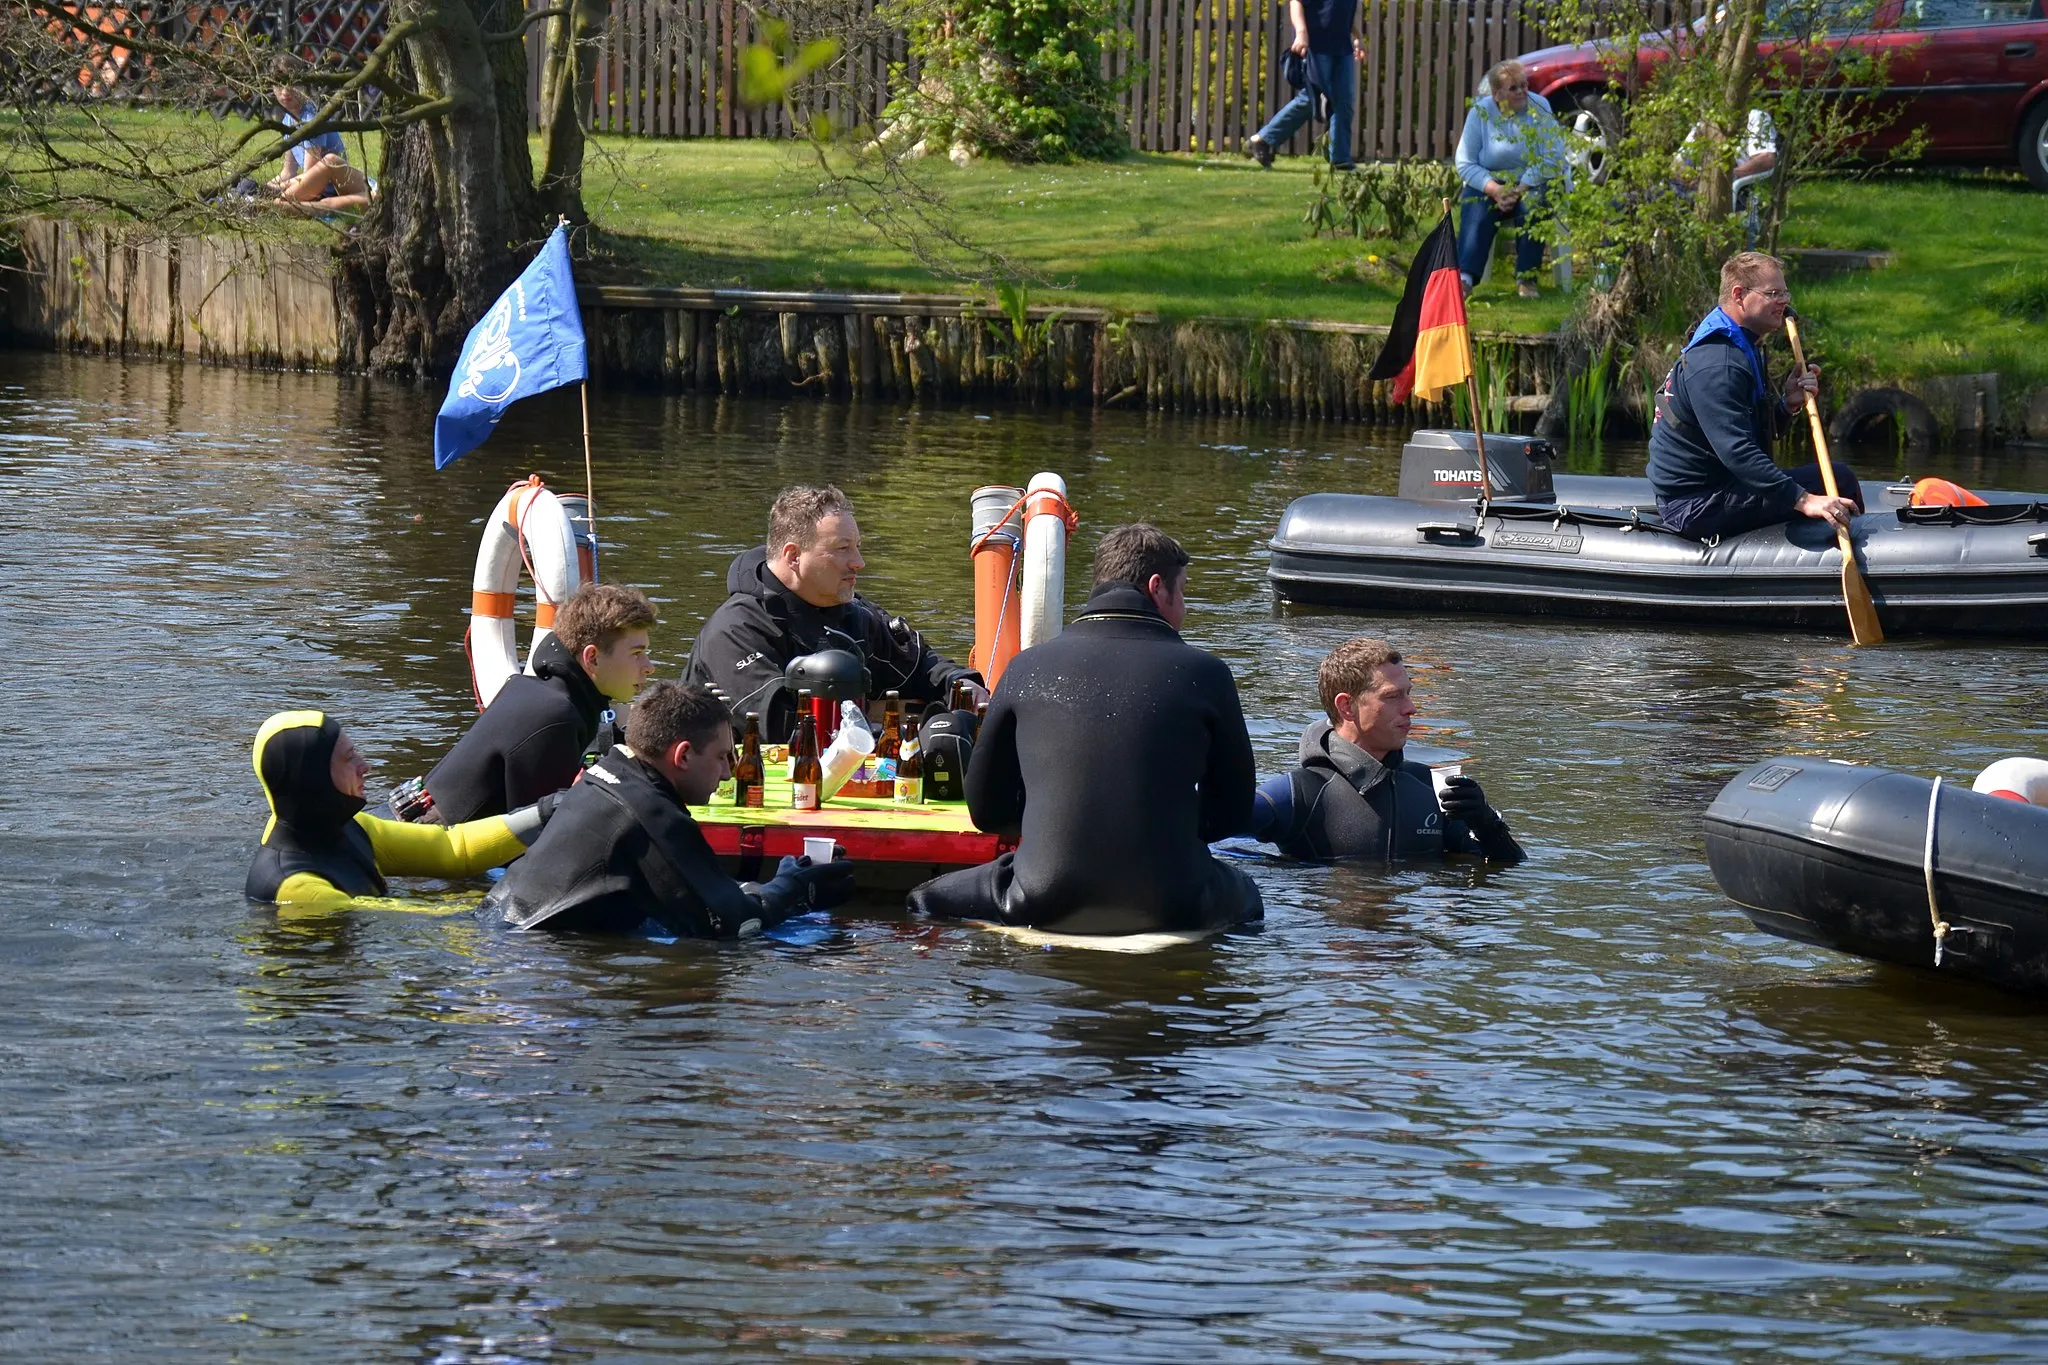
pixel 1864 626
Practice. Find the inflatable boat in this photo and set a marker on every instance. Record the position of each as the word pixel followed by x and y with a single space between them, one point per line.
pixel 1888 866
pixel 1551 544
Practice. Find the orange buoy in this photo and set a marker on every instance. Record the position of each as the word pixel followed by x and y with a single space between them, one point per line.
pixel 1942 493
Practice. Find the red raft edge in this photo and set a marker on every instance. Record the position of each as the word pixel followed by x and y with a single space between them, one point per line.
pixel 944 848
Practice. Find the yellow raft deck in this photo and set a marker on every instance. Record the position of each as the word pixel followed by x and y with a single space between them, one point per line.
pixel 897 846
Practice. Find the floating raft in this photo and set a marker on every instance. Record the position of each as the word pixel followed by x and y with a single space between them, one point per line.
pixel 894 845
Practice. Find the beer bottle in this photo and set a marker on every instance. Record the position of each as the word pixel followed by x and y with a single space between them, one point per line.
pixel 806 773
pixel 890 745
pixel 750 775
pixel 963 700
pixel 910 775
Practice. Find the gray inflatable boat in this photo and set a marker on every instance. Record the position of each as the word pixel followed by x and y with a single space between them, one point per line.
pixel 1841 856
pixel 1574 545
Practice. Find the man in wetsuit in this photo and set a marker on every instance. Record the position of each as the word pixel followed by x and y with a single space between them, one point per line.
pixel 622 851
pixel 1114 753
pixel 1355 795
pixel 1717 418
pixel 531 740
pixel 320 850
pixel 795 596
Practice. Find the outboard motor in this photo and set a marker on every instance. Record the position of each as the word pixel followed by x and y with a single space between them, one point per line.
pixel 833 675
pixel 1443 466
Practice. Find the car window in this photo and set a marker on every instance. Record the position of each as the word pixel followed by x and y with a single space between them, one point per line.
pixel 1928 14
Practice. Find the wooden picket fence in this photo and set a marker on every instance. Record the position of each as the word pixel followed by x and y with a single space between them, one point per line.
pixel 1197 75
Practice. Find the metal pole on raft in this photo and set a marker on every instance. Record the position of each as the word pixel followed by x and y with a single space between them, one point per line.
pixel 589 484
pixel 1046 519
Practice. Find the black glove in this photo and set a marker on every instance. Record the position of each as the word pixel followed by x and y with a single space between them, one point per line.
pixel 1463 799
pixel 800 885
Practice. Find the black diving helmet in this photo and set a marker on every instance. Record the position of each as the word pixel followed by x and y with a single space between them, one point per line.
pixel 830 675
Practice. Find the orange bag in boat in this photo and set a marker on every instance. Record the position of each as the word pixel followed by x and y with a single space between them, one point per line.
pixel 1942 493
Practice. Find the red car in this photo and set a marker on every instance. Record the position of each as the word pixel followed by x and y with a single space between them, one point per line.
pixel 1973 73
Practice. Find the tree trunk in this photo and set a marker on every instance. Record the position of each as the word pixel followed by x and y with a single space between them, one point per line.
pixel 567 83
pixel 456 214
pixel 1735 72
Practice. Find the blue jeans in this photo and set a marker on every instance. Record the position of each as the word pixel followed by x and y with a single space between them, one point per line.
pixel 1479 220
pixel 1731 511
pixel 1335 75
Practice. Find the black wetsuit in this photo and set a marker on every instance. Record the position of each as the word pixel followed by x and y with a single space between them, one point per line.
pixel 529 743
pixel 742 649
pixel 621 850
pixel 1115 753
pixel 313 827
pixel 1344 803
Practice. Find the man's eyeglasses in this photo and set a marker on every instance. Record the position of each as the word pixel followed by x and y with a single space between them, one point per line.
pixel 1774 295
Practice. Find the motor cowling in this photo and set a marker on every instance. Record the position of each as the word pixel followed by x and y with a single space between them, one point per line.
pixel 1443 466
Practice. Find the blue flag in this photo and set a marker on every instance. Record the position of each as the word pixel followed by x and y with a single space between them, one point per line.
pixel 531 341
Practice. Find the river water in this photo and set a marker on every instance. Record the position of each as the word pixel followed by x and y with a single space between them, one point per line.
pixel 1576 1111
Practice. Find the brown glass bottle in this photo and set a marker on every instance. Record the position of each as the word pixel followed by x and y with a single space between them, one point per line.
pixel 890 745
pixel 806 773
pixel 910 775
pixel 750 774
pixel 963 698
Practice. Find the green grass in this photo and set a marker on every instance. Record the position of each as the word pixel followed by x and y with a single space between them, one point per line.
pixel 1967 293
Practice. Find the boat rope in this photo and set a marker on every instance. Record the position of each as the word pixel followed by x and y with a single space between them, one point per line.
pixel 1927 870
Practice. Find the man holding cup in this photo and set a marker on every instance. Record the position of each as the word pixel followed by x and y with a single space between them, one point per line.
pixel 1355 794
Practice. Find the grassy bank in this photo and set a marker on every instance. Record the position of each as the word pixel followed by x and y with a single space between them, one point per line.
pixel 1188 236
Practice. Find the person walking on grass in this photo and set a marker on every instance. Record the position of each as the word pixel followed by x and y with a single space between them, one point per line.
pixel 1327 48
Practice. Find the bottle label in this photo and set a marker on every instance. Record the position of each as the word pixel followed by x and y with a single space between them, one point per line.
pixel 910 790
pixel 804 795
pixel 751 794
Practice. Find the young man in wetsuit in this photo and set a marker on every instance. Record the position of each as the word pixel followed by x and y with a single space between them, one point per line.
pixel 622 851
pixel 531 740
pixel 1717 418
pixel 320 850
pixel 795 596
pixel 1355 795
pixel 1114 753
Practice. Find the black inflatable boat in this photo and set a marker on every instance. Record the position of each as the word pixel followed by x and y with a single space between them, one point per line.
pixel 1840 856
pixel 1577 545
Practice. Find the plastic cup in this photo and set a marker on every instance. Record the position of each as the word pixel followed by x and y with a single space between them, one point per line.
pixel 1439 776
pixel 819 851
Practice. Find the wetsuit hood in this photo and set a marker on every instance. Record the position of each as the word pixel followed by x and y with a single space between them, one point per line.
pixel 749 574
pixel 294 759
pixel 1322 747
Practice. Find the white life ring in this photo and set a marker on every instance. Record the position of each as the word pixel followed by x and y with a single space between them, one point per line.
pixel 529 526
pixel 2016 779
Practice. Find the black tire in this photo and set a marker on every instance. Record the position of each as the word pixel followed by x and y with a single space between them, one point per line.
pixel 1885 418
pixel 2032 145
pixel 1594 119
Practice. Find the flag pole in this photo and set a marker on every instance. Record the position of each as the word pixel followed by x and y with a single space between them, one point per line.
pixel 589 483
pixel 1472 402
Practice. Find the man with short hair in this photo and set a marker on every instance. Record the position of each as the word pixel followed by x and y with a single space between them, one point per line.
pixel 532 738
pixel 627 852
pixel 795 596
pixel 1114 753
pixel 1355 794
pixel 1717 418
pixel 1328 45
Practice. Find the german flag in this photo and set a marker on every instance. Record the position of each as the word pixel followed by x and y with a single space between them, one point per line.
pixel 1429 351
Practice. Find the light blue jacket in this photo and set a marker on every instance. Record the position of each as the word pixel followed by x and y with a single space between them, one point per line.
pixel 1528 148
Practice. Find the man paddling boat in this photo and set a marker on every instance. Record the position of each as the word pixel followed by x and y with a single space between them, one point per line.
pixel 1717 419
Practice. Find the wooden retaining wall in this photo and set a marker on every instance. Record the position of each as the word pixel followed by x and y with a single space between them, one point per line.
pixel 250 303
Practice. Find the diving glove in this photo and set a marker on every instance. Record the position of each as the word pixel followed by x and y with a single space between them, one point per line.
pixel 1463 799
pixel 799 885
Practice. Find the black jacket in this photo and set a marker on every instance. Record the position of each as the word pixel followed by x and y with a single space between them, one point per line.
pixel 622 850
pixel 529 743
pixel 742 649
pixel 1115 753
pixel 1714 431
pixel 1344 803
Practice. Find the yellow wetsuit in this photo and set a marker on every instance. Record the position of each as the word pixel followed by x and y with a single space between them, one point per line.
pixel 321 850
